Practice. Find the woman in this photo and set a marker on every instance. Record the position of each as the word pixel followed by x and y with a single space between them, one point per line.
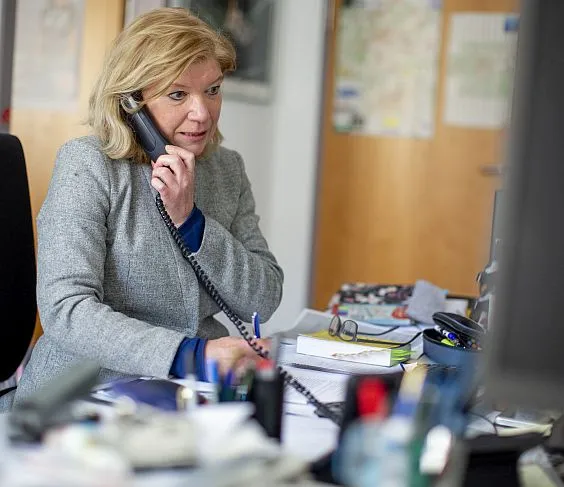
pixel 112 283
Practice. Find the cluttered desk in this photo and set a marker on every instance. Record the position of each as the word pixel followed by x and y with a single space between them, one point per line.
pixel 401 416
pixel 363 407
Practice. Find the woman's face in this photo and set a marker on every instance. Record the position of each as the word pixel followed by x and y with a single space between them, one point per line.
pixel 188 112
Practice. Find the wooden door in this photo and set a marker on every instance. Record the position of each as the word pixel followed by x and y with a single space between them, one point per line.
pixel 43 131
pixel 393 210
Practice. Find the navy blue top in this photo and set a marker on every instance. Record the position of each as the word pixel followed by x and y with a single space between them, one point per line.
pixel 190 357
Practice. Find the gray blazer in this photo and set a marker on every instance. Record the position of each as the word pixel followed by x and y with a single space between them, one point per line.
pixel 112 284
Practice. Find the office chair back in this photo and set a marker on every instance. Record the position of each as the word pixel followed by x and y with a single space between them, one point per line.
pixel 18 307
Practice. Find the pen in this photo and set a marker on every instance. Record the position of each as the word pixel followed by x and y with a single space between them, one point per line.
pixel 212 372
pixel 449 335
pixel 256 324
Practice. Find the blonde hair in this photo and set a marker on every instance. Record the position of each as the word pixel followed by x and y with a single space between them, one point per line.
pixel 154 50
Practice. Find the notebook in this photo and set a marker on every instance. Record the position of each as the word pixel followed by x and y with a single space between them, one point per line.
pixel 321 344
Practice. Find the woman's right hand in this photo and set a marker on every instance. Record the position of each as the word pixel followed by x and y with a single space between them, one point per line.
pixel 230 352
pixel 174 178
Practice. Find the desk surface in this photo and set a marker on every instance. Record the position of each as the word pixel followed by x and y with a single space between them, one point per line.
pixel 305 436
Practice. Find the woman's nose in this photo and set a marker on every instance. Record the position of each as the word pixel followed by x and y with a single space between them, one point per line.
pixel 198 110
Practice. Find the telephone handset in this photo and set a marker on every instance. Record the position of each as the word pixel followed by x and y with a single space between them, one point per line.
pixel 147 134
pixel 154 144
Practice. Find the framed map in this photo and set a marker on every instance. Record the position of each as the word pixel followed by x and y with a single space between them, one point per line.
pixel 386 67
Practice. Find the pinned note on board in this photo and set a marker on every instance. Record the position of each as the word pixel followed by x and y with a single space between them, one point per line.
pixel 480 65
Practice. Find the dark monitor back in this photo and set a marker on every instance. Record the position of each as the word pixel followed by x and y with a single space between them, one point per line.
pixel 526 360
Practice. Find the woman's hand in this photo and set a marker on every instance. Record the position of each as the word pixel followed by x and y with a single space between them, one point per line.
pixel 232 352
pixel 174 177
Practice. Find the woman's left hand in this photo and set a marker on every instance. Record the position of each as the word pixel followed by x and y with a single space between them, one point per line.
pixel 233 352
pixel 174 177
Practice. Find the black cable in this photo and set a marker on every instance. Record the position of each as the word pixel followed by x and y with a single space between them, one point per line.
pixel 389 330
pixel 487 420
pixel 417 335
pixel 213 293
pixel 382 342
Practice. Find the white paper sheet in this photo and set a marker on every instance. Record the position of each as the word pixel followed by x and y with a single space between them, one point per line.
pixel 47 55
pixel 308 437
pixel 325 386
pixel 480 66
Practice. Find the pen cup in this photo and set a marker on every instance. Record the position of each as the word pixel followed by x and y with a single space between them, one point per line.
pixel 267 394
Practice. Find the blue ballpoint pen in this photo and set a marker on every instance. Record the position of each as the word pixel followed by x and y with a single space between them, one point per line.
pixel 256 324
pixel 212 372
pixel 448 334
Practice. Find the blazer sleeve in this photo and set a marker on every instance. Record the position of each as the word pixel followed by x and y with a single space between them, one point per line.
pixel 238 261
pixel 71 254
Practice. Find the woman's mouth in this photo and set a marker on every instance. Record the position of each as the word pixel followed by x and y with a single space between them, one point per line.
pixel 194 136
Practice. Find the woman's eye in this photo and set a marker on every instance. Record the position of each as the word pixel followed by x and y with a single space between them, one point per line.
pixel 177 95
pixel 214 90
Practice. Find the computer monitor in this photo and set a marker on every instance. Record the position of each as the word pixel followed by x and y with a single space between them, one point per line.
pixel 525 359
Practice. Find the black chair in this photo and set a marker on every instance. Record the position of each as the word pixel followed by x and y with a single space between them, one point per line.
pixel 18 307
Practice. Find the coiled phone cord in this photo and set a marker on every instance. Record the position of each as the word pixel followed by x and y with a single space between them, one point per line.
pixel 213 293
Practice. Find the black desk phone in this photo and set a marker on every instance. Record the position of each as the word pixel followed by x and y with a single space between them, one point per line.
pixel 154 144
